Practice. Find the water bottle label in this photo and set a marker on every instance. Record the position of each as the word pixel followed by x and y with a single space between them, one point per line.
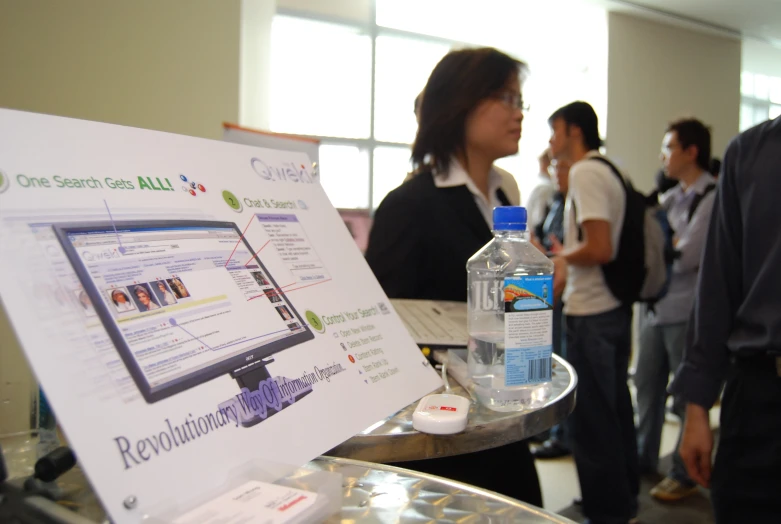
pixel 528 329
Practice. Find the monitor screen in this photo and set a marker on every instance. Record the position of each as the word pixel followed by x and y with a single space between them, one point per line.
pixel 183 301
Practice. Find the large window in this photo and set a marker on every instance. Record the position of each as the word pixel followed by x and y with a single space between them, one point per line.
pixel 353 85
pixel 320 78
pixel 760 99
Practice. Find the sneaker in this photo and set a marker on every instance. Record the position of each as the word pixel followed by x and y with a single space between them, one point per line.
pixel 670 490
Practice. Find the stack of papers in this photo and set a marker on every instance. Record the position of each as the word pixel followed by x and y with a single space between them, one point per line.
pixel 434 322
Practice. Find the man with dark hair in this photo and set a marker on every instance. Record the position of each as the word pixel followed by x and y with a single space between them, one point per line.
pixel 735 335
pixel 690 132
pixel 685 154
pixel 580 115
pixel 715 167
pixel 598 324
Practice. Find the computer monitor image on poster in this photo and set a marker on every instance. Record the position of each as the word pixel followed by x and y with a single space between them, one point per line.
pixel 183 301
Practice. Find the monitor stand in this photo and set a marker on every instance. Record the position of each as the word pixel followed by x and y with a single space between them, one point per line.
pixel 250 377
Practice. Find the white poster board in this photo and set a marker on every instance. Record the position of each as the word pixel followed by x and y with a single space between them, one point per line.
pixel 279 141
pixel 189 306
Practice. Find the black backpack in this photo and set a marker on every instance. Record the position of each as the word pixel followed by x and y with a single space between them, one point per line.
pixel 638 272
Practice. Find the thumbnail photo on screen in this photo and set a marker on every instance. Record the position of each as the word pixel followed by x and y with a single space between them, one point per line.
pixel 176 285
pixel 284 312
pixel 178 299
pixel 163 292
pixel 121 300
pixel 259 278
pixel 85 303
pixel 272 295
pixel 143 297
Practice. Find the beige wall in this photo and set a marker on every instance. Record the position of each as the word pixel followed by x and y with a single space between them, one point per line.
pixel 657 73
pixel 171 65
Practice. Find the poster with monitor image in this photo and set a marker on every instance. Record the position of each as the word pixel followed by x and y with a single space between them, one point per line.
pixel 189 306
pixel 229 317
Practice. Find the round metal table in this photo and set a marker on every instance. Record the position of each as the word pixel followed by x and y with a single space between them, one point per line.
pixel 395 440
pixel 371 493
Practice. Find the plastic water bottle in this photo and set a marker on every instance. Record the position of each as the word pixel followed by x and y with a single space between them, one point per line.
pixel 510 317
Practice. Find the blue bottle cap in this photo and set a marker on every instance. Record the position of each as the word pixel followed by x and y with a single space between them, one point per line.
pixel 510 218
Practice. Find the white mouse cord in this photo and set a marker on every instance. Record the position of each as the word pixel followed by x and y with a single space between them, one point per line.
pixel 444 377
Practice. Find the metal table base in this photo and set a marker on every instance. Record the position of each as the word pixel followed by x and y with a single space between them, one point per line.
pixel 395 440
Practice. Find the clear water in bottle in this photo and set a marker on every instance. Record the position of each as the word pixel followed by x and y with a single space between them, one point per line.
pixel 510 303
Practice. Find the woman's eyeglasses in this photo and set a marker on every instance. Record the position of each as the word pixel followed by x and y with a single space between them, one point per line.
pixel 514 100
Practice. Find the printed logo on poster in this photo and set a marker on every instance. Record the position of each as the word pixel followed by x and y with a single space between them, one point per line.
pixel 5 182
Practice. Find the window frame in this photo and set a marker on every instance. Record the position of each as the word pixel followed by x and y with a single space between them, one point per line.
pixel 754 102
pixel 372 30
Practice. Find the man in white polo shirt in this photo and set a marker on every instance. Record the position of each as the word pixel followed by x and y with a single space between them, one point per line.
pixel 598 324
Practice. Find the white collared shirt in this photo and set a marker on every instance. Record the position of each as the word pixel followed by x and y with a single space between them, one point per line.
pixel 540 200
pixel 598 195
pixel 457 176
pixel 676 305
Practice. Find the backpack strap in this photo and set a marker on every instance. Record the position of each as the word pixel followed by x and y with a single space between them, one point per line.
pixel 697 199
pixel 539 229
pixel 609 164
pixel 502 197
pixel 615 170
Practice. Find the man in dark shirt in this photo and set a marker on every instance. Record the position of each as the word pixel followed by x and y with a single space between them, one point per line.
pixel 735 335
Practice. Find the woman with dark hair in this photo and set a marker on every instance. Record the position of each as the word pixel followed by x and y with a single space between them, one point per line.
pixel 425 230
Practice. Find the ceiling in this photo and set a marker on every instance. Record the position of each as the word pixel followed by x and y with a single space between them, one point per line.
pixel 759 19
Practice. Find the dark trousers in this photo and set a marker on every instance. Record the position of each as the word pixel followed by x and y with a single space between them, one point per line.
pixel 602 425
pixel 746 480
pixel 560 432
pixel 508 470
pixel 661 352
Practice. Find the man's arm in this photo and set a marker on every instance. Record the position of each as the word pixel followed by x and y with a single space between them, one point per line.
pixel 595 249
pixel 697 444
pixel 588 193
pixel 718 296
pixel 589 190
